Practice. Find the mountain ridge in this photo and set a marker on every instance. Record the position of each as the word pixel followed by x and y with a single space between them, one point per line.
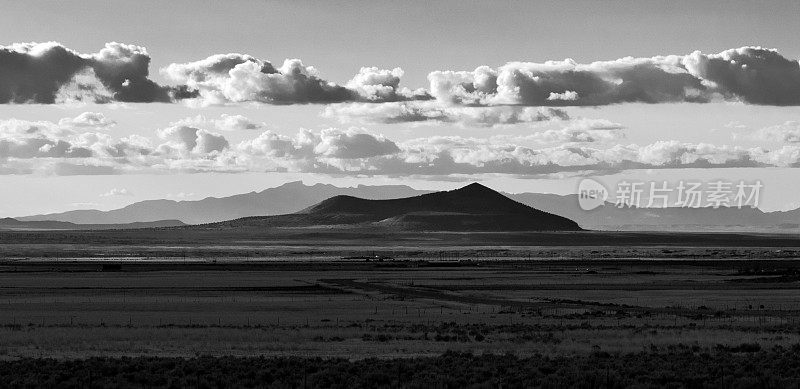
pixel 10 223
pixel 283 199
pixel 294 196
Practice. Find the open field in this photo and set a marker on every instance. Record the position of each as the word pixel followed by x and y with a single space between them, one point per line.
pixel 336 236
pixel 367 314
pixel 359 309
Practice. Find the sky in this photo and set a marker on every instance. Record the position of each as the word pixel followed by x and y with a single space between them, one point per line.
pixel 105 103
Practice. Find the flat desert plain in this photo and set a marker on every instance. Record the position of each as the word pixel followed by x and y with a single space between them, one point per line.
pixel 400 311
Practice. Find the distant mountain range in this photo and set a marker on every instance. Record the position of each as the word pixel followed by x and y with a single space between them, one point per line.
pixel 15 224
pixel 295 196
pixel 471 208
pixel 287 198
pixel 609 217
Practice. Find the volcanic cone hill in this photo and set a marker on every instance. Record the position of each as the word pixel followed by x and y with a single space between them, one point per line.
pixel 471 208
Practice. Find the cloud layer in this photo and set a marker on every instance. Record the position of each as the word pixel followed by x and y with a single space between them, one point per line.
pixel 433 112
pixel 235 78
pixel 72 147
pixel 749 74
pixel 752 75
pixel 50 73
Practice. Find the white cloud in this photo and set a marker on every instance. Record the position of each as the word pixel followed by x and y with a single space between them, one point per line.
pixel 88 119
pixel 233 78
pixel 580 131
pixel 115 192
pixel 236 123
pixel 435 112
pixel 180 195
pixel 224 123
pixel 788 132
pixel 191 140
pixel 566 96
pixel 446 155
pixel 352 143
pixel 382 85
pixel 329 143
pixel 581 145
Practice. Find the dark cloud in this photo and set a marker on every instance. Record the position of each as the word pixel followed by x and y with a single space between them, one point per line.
pixel 35 72
pixel 124 69
pixel 40 72
pixel 750 74
pixel 754 74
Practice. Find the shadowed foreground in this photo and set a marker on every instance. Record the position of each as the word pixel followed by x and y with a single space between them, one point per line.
pixel 745 366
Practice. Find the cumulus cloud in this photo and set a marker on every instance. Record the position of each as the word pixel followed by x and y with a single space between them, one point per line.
pixel 48 72
pixel 225 122
pixel 329 143
pixel 381 85
pixel 581 145
pixel 456 155
pixel 271 144
pixel 349 144
pixel 232 78
pixel 788 132
pixel 40 139
pixel 115 192
pixel 65 148
pixel 589 146
pixel 433 112
pixel 752 75
pixel 88 119
pixel 578 131
pixel 567 96
pixel 236 123
pixel 186 139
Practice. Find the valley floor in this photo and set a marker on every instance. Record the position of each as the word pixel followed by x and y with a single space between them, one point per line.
pixel 594 306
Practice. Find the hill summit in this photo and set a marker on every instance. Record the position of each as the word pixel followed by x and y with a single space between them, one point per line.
pixel 472 208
